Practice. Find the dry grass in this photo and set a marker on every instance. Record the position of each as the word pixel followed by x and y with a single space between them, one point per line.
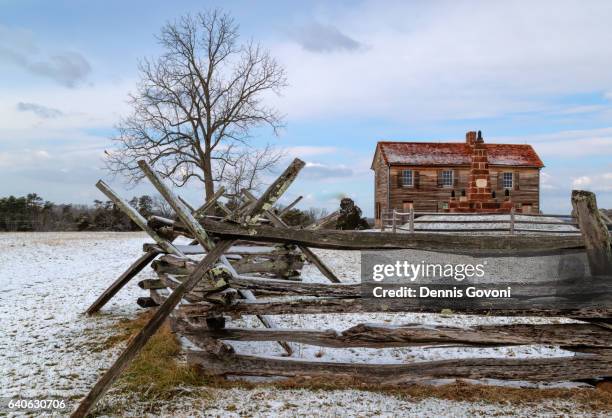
pixel 157 374
pixel 599 399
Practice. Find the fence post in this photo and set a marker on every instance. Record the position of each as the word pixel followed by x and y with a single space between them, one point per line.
pixel 394 221
pixel 594 232
pixel 512 213
pixel 383 219
pixel 411 221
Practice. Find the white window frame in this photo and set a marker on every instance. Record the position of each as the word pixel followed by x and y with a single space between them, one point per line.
pixel 446 177
pixel 404 182
pixel 505 179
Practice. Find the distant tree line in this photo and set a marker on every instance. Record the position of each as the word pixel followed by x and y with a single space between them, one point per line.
pixel 33 213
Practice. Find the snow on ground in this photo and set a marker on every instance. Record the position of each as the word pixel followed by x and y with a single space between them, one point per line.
pixel 49 348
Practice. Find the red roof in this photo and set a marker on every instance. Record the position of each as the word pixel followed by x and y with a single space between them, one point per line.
pixel 456 153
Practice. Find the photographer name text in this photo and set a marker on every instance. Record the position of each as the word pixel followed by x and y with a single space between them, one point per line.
pixel 454 293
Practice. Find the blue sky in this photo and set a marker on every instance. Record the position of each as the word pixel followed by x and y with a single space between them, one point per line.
pixel 358 72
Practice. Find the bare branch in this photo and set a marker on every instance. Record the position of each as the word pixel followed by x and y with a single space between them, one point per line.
pixel 196 104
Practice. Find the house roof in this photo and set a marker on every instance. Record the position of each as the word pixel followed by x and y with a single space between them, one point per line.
pixel 455 153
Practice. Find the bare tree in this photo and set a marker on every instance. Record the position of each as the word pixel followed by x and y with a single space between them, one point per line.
pixel 246 172
pixel 162 207
pixel 196 105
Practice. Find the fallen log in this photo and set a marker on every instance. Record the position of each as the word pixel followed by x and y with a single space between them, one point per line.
pixel 579 367
pixel 382 336
pixel 364 240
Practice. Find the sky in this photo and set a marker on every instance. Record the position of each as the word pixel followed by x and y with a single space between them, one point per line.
pixel 358 72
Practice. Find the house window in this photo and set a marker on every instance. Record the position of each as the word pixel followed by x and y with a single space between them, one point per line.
pixel 407 178
pixel 447 178
pixel 442 205
pixel 407 205
pixel 508 180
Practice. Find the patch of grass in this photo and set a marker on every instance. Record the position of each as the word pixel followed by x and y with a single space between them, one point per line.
pixel 156 373
pixel 594 399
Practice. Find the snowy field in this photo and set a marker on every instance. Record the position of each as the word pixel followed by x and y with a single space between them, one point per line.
pixel 49 348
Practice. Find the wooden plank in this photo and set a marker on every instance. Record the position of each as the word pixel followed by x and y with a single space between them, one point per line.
pixel 151 284
pixel 383 336
pixel 496 221
pixel 228 213
pixel 187 205
pixel 360 240
pixel 594 232
pixel 214 200
pixel 180 209
pixel 326 222
pixel 534 306
pixel 137 218
pixel 136 343
pixel 122 280
pixel 274 191
pixel 574 368
pixel 286 287
pixel 290 206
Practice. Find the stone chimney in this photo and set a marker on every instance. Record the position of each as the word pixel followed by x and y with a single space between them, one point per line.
pixel 470 138
pixel 479 197
pixel 479 190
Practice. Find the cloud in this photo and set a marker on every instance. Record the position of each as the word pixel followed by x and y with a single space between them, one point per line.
pixel 448 60
pixel 601 182
pixel 318 37
pixel 39 110
pixel 582 181
pixel 308 150
pixel 567 144
pixel 67 68
pixel 20 158
pixel 316 171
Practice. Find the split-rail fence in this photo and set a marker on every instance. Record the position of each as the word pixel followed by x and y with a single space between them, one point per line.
pixel 201 285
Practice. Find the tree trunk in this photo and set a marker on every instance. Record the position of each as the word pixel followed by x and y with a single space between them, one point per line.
pixel 209 185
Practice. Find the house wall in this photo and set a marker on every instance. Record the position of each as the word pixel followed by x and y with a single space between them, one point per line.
pixel 381 182
pixel 426 195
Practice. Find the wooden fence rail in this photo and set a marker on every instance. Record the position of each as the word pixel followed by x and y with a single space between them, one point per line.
pixel 202 295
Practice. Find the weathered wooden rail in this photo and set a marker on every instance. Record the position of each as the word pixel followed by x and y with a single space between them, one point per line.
pixel 199 295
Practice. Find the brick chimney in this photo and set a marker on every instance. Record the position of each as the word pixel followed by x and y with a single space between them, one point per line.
pixel 479 198
pixel 479 189
pixel 470 138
